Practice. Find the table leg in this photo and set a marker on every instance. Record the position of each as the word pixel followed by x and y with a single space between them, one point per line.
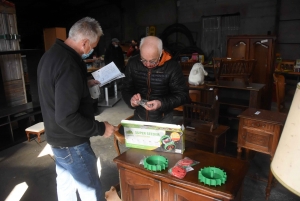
pixel 239 152
pixel 106 94
pixel 268 189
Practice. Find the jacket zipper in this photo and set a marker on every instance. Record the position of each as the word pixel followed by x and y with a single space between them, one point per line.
pixel 148 93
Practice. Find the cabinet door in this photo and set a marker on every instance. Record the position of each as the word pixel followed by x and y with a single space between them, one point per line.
pixel 261 49
pixel 135 187
pixel 180 194
pixel 238 48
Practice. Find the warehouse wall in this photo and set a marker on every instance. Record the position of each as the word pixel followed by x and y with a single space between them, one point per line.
pixel 127 19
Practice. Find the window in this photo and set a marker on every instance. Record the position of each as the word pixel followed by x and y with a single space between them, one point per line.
pixel 215 30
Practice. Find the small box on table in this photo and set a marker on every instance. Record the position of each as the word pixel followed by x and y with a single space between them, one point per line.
pixel 153 136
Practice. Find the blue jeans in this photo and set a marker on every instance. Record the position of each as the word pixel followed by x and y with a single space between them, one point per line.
pixel 76 169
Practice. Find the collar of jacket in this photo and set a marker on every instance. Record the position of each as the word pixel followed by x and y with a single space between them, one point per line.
pixel 165 57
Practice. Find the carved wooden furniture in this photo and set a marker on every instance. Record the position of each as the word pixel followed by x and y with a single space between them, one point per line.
pixel 279 81
pixel 119 136
pixel 12 85
pixel 203 108
pixel 234 69
pixel 36 129
pixel 260 48
pixel 201 137
pixel 138 183
pixel 235 97
pixel 286 66
pixel 201 94
pixel 14 120
pixel 186 67
pixel 260 132
pixel 51 34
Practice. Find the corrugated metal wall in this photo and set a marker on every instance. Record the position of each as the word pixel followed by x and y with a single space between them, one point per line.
pixel 214 33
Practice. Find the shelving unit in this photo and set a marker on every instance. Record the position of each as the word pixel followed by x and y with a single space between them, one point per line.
pixel 235 97
pixel 14 121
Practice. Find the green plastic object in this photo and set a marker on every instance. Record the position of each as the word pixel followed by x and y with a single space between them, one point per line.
pixel 212 176
pixel 156 163
pixel 168 143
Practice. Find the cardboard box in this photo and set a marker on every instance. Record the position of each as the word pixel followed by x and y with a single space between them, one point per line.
pixel 153 136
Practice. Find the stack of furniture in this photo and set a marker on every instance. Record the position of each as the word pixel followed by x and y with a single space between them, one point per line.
pixel 260 48
pixel 233 69
pixel 200 118
pixel 236 92
pixel 19 107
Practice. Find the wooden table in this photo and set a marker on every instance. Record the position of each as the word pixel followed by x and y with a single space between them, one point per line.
pixel 253 89
pixel 200 137
pixel 260 132
pixel 138 183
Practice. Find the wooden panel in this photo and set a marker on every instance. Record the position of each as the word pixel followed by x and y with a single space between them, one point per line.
pixel 50 35
pixel 11 65
pixel 181 194
pixel 238 48
pixel 255 139
pixel 14 92
pixel 138 187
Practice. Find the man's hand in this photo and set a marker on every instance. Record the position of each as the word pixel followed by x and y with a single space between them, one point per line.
pixel 135 99
pixel 153 105
pixel 109 129
pixel 91 83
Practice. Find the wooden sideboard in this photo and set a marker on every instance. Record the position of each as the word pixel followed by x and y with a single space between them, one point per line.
pixel 235 97
pixel 138 183
pixel 260 130
pixel 14 121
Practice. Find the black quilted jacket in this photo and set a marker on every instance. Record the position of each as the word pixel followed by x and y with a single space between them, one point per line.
pixel 165 83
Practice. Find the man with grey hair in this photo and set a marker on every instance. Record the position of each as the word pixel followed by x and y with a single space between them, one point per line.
pixel 156 77
pixel 67 109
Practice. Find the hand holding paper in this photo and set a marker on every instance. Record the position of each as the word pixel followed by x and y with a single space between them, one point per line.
pixel 107 74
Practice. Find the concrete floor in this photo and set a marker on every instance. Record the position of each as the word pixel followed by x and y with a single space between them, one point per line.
pixel 29 169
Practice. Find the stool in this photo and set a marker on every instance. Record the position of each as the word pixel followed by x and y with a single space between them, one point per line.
pixel 36 129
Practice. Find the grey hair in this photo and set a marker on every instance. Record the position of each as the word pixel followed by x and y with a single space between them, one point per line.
pixel 159 44
pixel 86 28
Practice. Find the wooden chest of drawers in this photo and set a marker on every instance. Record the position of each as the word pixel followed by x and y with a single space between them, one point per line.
pixel 203 139
pixel 260 130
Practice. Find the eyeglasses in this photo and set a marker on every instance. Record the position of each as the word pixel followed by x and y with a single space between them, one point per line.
pixel 152 62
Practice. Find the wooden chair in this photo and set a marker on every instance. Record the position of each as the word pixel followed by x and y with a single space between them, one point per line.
pixel 186 67
pixel 203 109
pixel 287 66
pixel 233 69
pixel 194 96
pixel 36 129
pixel 119 137
pixel 279 81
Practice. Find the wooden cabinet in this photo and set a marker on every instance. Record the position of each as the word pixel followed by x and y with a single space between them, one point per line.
pixel 202 138
pixel 137 183
pixel 234 98
pixel 51 34
pixel 260 130
pixel 139 187
pixel 14 121
pixel 260 48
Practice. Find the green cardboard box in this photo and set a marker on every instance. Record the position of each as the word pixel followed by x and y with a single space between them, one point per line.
pixel 154 136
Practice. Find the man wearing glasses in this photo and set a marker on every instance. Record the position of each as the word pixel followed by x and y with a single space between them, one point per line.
pixel 154 84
